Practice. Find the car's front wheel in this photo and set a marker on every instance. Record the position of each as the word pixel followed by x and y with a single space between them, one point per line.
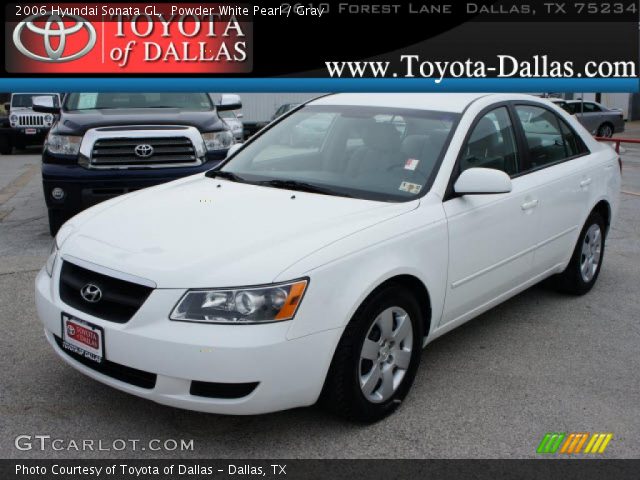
pixel 376 360
pixel 582 272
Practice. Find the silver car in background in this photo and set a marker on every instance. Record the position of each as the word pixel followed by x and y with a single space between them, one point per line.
pixel 595 117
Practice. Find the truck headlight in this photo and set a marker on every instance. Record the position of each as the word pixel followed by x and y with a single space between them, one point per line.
pixel 63 144
pixel 272 303
pixel 13 119
pixel 51 260
pixel 48 119
pixel 218 140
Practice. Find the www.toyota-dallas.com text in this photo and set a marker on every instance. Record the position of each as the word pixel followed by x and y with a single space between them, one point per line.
pixel 505 66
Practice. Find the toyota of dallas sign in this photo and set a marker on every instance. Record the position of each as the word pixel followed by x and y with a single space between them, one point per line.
pixel 52 42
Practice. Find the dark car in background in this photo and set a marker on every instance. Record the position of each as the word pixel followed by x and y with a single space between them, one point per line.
pixel 595 117
pixel 108 144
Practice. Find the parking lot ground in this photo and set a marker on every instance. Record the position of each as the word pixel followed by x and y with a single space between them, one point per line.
pixel 541 362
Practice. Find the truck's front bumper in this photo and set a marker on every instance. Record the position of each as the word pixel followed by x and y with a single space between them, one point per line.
pixel 85 187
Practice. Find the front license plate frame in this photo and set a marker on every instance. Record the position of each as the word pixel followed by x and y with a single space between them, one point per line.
pixel 82 338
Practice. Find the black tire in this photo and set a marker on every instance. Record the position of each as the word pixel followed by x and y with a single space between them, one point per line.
pixel 56 220
pixel 571 280
pixel 342 393
pixel 5 145
pixel 605 130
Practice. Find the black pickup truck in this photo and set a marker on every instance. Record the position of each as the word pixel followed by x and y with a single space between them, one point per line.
pixel 107 144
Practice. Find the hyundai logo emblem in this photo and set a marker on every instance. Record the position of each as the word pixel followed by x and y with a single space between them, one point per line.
pixel 91 293
pixel 54 55
pixel 144 150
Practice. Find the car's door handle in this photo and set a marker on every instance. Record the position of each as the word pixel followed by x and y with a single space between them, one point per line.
pixel 585 183
pixel 529 205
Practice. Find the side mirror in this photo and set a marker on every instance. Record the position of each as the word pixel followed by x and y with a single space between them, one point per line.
pixel 7 107
pixel 44 104
pixel 233 149
pixel 482 181
pixel 229 102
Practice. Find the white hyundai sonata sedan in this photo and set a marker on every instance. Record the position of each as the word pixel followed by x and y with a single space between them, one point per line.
pixel 325 253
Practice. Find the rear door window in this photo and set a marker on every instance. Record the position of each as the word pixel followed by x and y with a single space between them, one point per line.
pixel 549 140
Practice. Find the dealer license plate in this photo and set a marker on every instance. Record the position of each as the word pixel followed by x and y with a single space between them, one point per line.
pixel 30 131
pixel 82 338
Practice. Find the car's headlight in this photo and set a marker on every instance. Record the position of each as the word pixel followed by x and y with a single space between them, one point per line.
pixel 218 140
pixel 63 144
pixel 13 118
pixel 273 303
pixel 48 119
pixel 51 261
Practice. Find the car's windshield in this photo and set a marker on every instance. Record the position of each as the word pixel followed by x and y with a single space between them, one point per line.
pixel 185 101
pixel 25 100
pixel 374 153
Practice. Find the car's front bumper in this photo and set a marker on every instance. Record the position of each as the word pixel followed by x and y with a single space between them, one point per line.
pixel 289 373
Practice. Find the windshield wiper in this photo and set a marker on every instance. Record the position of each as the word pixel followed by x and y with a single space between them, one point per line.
pixel 301 186
pixel 224 174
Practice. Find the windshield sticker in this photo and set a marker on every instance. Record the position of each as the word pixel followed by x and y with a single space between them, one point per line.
pixel 410 187
pixel 411 164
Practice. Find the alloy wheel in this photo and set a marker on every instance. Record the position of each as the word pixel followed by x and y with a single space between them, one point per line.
pixel 591 253
pixel 386 354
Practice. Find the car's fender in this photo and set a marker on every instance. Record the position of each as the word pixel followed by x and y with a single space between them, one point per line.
pixel 344 273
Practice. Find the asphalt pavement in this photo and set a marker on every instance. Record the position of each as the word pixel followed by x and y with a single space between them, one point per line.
pixel 542 362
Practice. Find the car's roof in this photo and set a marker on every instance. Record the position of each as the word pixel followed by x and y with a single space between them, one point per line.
pixel 443 102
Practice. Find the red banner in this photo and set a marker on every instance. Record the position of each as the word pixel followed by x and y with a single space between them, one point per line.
pixel 129 39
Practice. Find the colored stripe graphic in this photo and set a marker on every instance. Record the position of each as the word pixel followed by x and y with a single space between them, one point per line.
pixel 572 443
pixel 550 442
pixel 598 443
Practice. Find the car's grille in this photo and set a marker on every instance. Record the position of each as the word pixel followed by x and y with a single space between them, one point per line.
pixel 31 120
pixel 120 299
pixel 118 152
pixel 129 375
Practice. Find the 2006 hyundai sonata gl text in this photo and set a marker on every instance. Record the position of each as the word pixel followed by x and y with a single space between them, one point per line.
pixel 325 253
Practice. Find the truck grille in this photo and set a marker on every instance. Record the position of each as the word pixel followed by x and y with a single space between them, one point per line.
pixel 118 152
pixel 31 120
pixel 120 299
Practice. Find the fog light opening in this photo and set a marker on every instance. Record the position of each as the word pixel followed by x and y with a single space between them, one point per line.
pixel 58 193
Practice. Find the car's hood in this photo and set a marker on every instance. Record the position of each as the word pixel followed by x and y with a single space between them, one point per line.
pixel 78 122
pixel 203 232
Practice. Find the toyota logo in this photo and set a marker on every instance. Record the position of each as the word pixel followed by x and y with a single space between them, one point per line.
pixel 144 150
pixel 91 293
pixel 54 55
